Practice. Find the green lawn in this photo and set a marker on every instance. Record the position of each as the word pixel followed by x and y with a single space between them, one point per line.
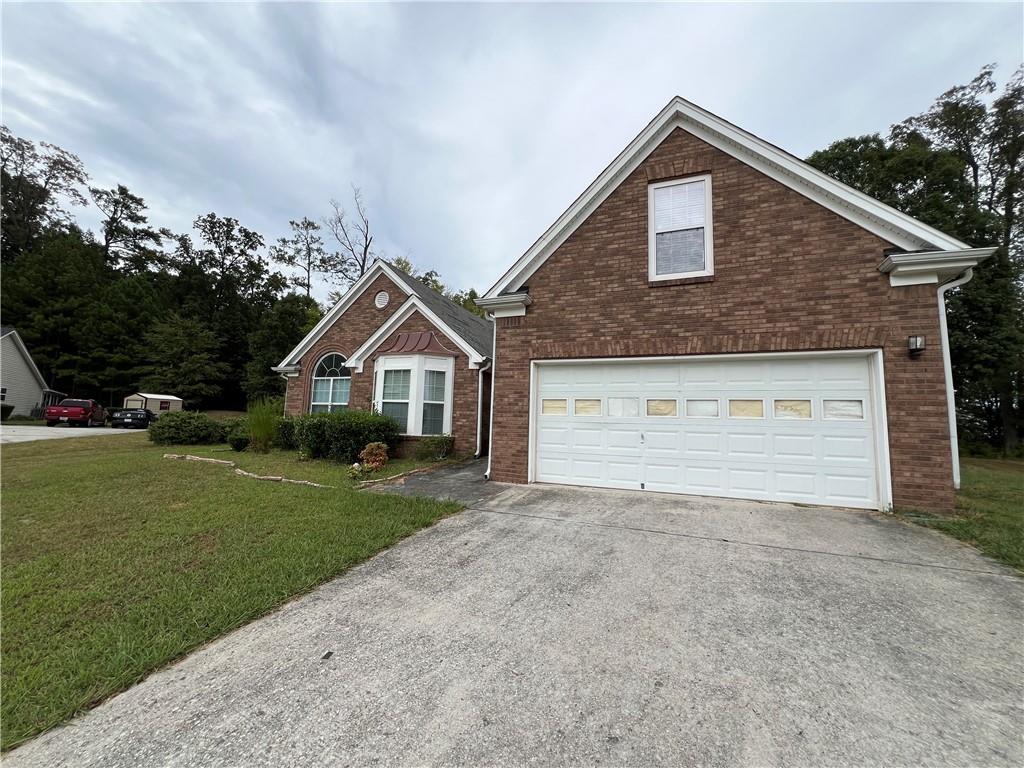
pixel 116 561
pixel 989 509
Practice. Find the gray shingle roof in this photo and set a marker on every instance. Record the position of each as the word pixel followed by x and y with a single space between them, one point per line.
pixel 5 329
pixel 474 330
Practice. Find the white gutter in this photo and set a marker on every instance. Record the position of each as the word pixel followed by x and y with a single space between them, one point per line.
pixel 947 366
pixel 490 432
pixel 480 405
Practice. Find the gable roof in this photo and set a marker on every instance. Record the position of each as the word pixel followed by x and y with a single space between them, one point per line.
pixel 471 330
pixel 897 228
pixel 8 330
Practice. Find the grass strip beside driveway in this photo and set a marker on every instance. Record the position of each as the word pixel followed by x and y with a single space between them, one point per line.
pixel 989 509
pixel 116 561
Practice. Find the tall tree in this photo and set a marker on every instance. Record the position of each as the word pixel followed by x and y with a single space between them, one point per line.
pixel 355 241
pixel 279 329
pixel 127 238
pixel 183 360
pixel 959 168
pixel 304 251
pixel 36 182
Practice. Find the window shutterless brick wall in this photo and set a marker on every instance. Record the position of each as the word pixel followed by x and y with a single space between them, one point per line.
pixel 353 328
pixel 790 275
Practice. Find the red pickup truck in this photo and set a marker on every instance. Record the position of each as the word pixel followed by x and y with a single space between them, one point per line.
pixel 85 413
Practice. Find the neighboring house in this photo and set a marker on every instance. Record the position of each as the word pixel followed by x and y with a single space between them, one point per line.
pixel 713 316
pixel 394 345
pixel 21 383
pixel 154 403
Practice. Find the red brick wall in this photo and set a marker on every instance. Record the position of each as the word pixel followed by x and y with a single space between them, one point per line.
pixel 358 322
pixel 789 275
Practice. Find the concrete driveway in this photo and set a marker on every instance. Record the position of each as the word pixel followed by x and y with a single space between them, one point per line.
pixel 14 433
pixel 556 626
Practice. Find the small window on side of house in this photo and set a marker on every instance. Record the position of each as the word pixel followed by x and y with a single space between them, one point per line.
pixel 679 229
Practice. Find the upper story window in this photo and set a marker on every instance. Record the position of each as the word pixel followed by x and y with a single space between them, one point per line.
pixel 331 384
pixel 679 225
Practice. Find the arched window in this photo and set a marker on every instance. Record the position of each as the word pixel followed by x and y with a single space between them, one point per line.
pixel 331 384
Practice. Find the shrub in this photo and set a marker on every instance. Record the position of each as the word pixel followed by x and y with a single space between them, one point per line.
pixel 263 418
pixel 341 436
pixel 285 437
pixel 237 431
pixel 374 456
pixel 238 441
pixel 435 448
pixel 186 428
pixel 5 411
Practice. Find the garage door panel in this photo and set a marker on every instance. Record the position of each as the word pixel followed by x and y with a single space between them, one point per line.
pixel 846 448
pixel 791 447
pixel 747 445
pixel 587 437
pixel 816 447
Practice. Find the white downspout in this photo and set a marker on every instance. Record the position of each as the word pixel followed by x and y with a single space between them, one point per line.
pixel 947 365
pixel 494 364
pixel 480 406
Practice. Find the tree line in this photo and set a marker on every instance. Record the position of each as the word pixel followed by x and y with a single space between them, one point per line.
pixel 959 167
pixel 201 314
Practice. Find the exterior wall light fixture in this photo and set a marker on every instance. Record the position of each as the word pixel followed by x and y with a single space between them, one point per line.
pixel 915 345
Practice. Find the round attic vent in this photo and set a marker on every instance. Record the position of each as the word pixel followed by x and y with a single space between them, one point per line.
pixel 381 299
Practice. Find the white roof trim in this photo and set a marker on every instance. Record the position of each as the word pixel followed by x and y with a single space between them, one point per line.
pixel 151 396
pixel 28 358
pixel 931 266
pixel 291 362
pixel 412 304
pixel 897 228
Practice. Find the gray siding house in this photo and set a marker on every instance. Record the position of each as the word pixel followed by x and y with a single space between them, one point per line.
pixel 21 383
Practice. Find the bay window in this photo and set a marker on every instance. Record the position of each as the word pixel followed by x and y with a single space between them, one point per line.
pixel 416 391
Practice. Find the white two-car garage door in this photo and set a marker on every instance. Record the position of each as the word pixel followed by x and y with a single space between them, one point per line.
pixel 800 428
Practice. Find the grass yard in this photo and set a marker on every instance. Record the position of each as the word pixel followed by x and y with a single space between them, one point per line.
pixel 116 561
pixel 989 509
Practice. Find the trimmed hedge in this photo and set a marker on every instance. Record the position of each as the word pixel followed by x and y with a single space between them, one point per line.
pixel 186 428
pixel 342 436
pixel 5 411
pixel 285 437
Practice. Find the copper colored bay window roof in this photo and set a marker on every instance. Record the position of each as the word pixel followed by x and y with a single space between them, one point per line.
pixel 418 342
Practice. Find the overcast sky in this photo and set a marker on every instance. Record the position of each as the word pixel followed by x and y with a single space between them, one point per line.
pixel 468 128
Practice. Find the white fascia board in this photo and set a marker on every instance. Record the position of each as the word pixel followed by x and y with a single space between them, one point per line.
pixel 28 358
pixel 876 217
pixel 507 305
pixel 412 304
pixel 353 293
pixel 931 267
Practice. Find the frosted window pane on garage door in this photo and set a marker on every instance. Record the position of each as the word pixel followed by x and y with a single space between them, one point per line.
pixel 844 409
pixel 587 407
pixel 746 409
pixel 792 409
pixel 702 409
pixel 661 408
pixel 554 407
pixel 678 252
pixel 623 406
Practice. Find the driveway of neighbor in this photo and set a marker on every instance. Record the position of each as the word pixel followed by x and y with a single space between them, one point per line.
pixel 550 625
pixel 13 433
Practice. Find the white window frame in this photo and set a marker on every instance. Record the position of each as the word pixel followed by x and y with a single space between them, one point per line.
pixel 709 256
pixel 313 380
pixel 417 365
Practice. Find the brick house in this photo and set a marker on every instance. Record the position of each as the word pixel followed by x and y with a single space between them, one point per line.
pixel 394 345
pixel 713 316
